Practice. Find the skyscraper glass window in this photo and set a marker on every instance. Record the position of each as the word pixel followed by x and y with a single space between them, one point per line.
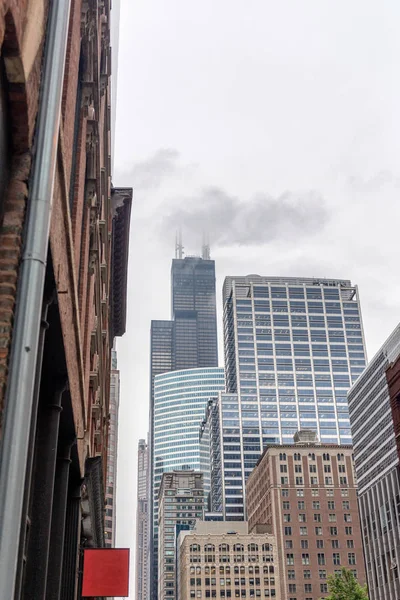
pixel 293 347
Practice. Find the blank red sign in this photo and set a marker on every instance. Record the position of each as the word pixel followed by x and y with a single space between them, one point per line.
pixel 106 572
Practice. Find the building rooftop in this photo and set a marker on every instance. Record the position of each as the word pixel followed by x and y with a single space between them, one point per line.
pixel 246 280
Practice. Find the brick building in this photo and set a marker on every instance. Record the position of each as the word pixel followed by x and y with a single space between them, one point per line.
pixel 223 560
pixel 64 233
pixel 307 492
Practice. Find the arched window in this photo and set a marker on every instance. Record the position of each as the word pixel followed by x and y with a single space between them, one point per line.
pixel 238 548
pixel 282 456
pixel 252 548
pixel 194 548
pixel 209 548
pixel 223 548
pixel 311 456
pixel 297 456
pixel 326 456
pixel 266 548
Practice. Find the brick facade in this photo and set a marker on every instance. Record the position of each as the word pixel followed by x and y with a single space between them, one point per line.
pixel 80 302
pixel 308 494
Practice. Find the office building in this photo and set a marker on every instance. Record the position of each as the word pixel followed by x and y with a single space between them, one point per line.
pixel 223 560
pixel 142 522
pixel 181 502
pixel 374 416
pixel 112 454
pixel 307 492
pixel 293 346
pixel 194 313
pixel 180 398
pixel 187 341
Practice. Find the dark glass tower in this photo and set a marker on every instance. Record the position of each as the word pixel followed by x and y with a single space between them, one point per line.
pixel 194 313
pixel 188 341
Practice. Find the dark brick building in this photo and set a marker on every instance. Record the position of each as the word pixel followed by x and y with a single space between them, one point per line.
pixel 83 299
pixel 307 492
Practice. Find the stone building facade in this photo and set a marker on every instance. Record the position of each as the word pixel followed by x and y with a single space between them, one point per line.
pixel 223 560
pixel 84 295
pixel 307 492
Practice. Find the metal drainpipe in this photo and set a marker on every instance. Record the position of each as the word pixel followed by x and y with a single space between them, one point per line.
pixel 21 376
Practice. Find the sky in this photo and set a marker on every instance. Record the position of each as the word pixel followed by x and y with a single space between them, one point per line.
pixel 274 126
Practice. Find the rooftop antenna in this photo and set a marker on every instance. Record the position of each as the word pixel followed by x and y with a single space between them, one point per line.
pixel 178 245
pixel 205 251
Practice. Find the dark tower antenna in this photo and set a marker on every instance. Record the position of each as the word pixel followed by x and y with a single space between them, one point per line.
pixel 205 251
pixel 178 245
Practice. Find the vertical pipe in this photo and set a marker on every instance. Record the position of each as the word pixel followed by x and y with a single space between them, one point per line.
pixel 58 517
pixel 29 467
pixel 34 586
pixel 21 377
pixel 71 545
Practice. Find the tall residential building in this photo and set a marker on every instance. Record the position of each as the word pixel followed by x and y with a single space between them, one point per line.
pixel 307 492
pixel 293 346
pixel 142 522
pixel 180 398
pixel 112 453
pixel 223 560
pixel 181 502
pixel 187 341
pixel 374 416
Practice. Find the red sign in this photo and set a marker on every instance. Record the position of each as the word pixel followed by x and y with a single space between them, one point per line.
pixel 106 572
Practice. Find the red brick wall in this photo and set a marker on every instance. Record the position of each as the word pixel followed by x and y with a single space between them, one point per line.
pixel 23 94
pixel 393 379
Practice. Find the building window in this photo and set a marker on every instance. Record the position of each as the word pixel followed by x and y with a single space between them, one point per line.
pixel 318 531
pixel 305 559
pixel 288 531
pixel 320 543
pixel 290 559
pixel 335 544
pixel 336 558
pixel 304 544
pixel 333 530
pixel 285 493
pixel 316 505
pixel 321 558
pixel 317 517
pixel 348 530
pixel 303 530
pixel 315 492
pixel 322 574
pixel 331 505
pixel 291 574
pixel 286 505
pixel 350 543
pixel 292 588
pixel 352 558
pixel 324 588
pixel 289 544
pixel 332 518
pixel 307 574
pixel 301 505
pixel 302 517
pixel 308 588
pixel 347 518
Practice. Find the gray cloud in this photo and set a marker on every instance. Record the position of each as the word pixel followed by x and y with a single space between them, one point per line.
pixel 151 173
pixel 262 219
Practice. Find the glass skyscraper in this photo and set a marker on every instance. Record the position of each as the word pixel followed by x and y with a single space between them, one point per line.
pixel 187 341
pixel 180 398
pixel 293 348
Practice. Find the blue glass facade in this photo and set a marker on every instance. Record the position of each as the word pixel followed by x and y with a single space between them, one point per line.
pixel 293 348
pixel 180 399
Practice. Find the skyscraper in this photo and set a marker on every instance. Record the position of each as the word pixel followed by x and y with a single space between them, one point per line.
pixel 293 347
pixel 187 341
pixel 194 313
pixel 142 522
pixel 181 501
pixel 374 416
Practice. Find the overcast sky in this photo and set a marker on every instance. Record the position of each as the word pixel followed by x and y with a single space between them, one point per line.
pixel 275 125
